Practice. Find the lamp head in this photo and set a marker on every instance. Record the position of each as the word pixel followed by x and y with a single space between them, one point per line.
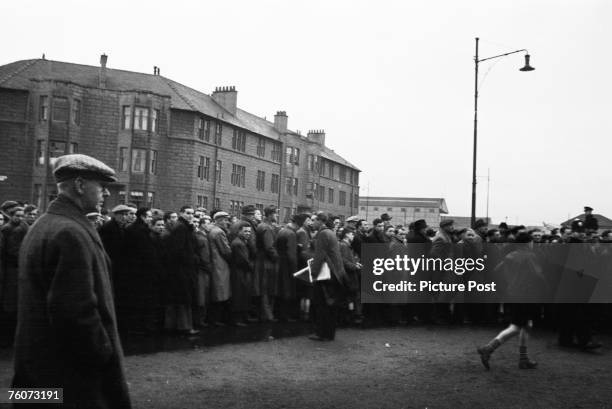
pixel 527 67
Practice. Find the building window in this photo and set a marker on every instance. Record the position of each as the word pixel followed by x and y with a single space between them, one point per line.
pixel 218 167
pixel 141 118
pixel 201 168
pixel 295 186
pixel 342 174
pixel 60 109
pixel 56 149
pixel 356 200
pixel 40 152
pixel 342 198
pixel 403 210
pixel 259 206
pixel 331 170
pixel 416 209
pixel 275 185
pixel 139 160
pixel 204 129
pixel 217 203
pixel 154 120
pixel 218 133
pixel 151 199
pixel 238 175
pixel 153 162
pixel 236 207
pixel 44 108
pixel 37 195
pixel 375 209
pixel 73 148
pixel 432 210
pixel 288 185
pixel 311 161
pixel 330 195
pixel 76 112
pixel 362 208
pixel 126 117
pixel 239 140
pixel 276 152
pixel 292 156
pixel 321 193
pixel 315 190
pixel 261 180
pixel 123 159
pixel 389 209
pixel 261 147
pixel 202 201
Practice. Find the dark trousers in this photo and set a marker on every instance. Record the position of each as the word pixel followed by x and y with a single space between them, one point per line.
pixel 325 315
pixel 8 324
pixel 574 320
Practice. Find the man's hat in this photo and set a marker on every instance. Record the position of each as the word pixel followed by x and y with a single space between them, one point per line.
pixel 8 205
pixel 578 226
pixel 420 224
pixel 588 209
pixel 385 217
pixel 219 215
pixel 248 210
pixel 71 166
pixel 480 223
pixel 93 215
pixel 353 219
pixel 121 209
pixel 446 222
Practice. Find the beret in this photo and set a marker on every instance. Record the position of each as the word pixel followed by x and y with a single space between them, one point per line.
pixel 71 166
pixel 8 205
pixel 219 215
pixel 121 208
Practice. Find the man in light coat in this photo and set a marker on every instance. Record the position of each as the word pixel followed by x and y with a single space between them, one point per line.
pixel 220 255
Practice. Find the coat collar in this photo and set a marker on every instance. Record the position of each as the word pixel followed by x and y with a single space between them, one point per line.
pixel 64 206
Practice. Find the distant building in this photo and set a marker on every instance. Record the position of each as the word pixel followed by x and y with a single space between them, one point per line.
pixel 403 210
pixel 170 144
pixel 463 222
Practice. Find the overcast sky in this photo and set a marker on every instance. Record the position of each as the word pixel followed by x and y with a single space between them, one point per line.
pixel 391 83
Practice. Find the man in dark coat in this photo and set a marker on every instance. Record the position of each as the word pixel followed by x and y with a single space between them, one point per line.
pixel 286 245
pixel 266 265
pixel 241 274
pixel 591 225
pixel 142 276
pixel 67 333
pixel 12 236
pixel 303 237
pixel 327 294
pixel 181 276
pixel 112 234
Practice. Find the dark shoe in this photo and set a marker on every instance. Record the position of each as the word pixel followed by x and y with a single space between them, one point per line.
pixel 527 364
pixel 315 337
pixel 239 324
pixel 485 355
pixel 591 345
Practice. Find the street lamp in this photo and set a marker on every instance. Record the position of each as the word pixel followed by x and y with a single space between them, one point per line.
pixel 477 61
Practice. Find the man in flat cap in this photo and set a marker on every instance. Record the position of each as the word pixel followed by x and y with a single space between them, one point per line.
pixel 12 235
pixel 220 257
pixel 67 332
pixel 591 224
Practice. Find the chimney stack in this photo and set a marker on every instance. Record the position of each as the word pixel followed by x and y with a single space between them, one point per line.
pixel 102 76
pixel 280 121
pixel 227 97
pixel 316 136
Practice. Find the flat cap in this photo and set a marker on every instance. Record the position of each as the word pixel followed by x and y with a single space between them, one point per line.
pixel 93 215
pixel 420 224
pixel 588 208
pixel 386 217
pixel 219 215
pixel 71 166
pixel 353 219
pixel 8 205
pixel 480 223
pixel 446 222
pixel 121 208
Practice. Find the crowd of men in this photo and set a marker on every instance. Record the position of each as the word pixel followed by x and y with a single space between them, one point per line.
pixel 185 270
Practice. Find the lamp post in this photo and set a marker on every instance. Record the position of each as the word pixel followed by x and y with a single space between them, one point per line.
pixel 477 61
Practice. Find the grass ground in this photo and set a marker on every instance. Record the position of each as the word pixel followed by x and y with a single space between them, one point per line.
pixel 401 367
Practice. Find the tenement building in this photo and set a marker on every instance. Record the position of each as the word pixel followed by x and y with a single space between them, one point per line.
pixel 403 210
pixel 170 144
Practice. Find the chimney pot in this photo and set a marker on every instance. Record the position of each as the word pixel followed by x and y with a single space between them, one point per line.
pixel 103 59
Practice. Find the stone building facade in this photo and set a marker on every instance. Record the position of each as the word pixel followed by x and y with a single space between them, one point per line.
pixel 170 145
